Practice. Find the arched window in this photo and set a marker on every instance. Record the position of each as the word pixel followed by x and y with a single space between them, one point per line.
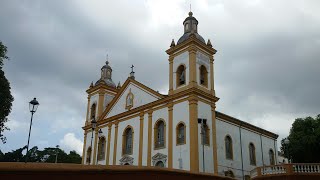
pixel 159 134
pixel 127 141
pixel 159 164
pixel 206 136
pixel 252 154
pixel 229 173
pixel 93 111
pixel 88 155
pixel 181 75
pixel 203 76
pixel 228 145
pixel 181 134
pixel 271 157
pixel 101 148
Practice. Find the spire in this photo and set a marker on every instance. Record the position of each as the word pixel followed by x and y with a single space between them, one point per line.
pixel 106 75
pixel 172 43
pixel 132 72
pixel 209 43
pixel 190 29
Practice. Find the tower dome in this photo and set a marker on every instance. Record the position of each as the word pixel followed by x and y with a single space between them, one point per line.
pixel 106 76
pixel 190 27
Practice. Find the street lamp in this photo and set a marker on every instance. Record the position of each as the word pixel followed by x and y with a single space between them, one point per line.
pixel 93 126
pixel 286 142
pixel 202 122
pixel 57 147
pixel 33 106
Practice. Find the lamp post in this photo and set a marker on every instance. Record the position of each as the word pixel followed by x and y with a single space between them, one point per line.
pixel 57 146
pixel 99 135
pixel 286 142
pixel 202 122
pixel 93 127
pixel 33 106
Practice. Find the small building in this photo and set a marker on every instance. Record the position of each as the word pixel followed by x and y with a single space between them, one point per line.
pixel 180 130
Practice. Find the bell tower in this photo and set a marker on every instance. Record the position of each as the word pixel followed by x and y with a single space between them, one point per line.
pixel 100 93
pixel 191 60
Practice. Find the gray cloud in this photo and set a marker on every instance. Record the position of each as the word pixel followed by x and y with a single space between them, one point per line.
pixel 266 68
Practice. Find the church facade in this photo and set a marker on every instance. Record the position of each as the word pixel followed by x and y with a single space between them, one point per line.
pixel 181 130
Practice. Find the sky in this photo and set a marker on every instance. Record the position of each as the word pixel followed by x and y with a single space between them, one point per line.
pixel 267 65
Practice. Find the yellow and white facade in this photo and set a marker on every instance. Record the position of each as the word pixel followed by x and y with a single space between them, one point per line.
pixel 142 127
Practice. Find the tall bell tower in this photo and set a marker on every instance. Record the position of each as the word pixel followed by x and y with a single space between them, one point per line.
pixel 101 93
pixel 191 60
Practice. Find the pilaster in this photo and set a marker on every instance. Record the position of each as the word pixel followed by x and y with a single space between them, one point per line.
pixel 149 137
pixel 141 139
pixel 193 128
pixel 84 147
pixel 100 103
pixel 214 139
pixel 95 146
pixel 108 147
pixel 115 143
pixel 170 138
pixel 192 66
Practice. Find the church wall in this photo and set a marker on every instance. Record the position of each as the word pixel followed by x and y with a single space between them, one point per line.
pixel 268 144
pixel 88 144
pixel 183 58
pixel 224 164
pixel 93 99
pixel 204 112
pixel 145 140
pixel 107 99
pixel 251 137
pixel 140 98
pixel 181 151
pixel 203 59
pixel 135 124
pixel 247 136
pixel 156 115
pixel 105 134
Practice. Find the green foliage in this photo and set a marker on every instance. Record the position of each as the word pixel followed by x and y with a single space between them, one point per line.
pixel 48 155
pixel 5 95
pixel 304 141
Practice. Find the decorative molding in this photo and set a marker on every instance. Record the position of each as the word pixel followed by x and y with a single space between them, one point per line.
pixel 159 157
pixel 126 160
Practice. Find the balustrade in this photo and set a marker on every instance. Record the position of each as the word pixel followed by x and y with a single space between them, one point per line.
pixel 285 169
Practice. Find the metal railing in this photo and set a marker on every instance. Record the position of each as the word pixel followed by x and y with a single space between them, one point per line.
pixel 296 168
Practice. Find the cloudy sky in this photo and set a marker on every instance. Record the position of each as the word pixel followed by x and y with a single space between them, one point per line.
pixel 267 67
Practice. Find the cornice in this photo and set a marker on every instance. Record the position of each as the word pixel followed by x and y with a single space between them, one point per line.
pixel 246 125
pixel 194 92
pixel 100 87
pixel 192 40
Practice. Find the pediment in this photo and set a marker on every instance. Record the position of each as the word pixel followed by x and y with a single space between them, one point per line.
pixel 126 160
pixel 138 93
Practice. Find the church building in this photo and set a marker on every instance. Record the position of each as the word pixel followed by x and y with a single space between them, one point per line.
pixel 138 126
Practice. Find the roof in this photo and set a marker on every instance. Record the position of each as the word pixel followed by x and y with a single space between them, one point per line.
pixel 245 124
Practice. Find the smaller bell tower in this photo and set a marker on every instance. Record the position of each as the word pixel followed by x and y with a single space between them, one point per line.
pixel 100 94
pixel 191 60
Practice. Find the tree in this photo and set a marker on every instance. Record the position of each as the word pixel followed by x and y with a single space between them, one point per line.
pixel 5 94
pixel 48 155
pixel 304 141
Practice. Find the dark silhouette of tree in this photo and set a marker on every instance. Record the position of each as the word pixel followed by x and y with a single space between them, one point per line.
pixel 48 155
pixel 5 95
pixel 304 141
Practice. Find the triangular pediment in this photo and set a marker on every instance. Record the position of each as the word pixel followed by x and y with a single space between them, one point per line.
pixel 159 156
pixel 126 160
pixel 132 94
